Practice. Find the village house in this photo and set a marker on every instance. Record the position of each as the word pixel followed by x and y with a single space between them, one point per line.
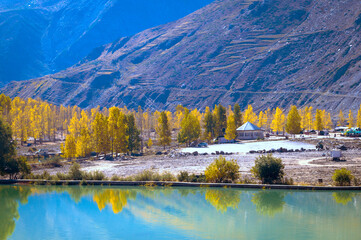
pixel 249 131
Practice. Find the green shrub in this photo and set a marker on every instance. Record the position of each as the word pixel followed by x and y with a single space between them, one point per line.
pixel 146 175
pixel 97 175
pixel 342 177
pixel 115 178
pixel 167 176
pixel 222 171
pixel 75 173
pixel 197 178
pixel 149 175
pixel 183 176
pixel 45 175
pixel 268 169
pixel 62 176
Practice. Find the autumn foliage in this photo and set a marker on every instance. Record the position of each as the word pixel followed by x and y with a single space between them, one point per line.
pixel 120 130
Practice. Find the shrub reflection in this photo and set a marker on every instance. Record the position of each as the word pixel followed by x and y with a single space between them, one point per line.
pixel 222 199
pixel 269 202
pixel 343 197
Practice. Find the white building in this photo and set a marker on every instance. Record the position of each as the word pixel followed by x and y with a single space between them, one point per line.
pixel 249 131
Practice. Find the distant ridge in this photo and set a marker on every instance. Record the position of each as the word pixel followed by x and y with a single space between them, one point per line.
pixel 39 37
pixel 266 53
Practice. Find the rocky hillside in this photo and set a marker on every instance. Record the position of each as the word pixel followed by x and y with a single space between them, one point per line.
pixel 39 37
pixel 268 53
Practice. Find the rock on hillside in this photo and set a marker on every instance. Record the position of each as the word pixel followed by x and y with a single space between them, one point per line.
pixel 267 53
pixel 39 37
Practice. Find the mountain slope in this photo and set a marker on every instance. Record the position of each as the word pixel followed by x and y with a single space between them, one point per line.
pixel 39 37
pixel 268 53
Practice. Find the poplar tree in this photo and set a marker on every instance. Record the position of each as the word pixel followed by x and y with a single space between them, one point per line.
pixel 121 138
pixel 350 120
pixel 267 119
pixel 5 107
pixel 163 130
pixel 190 129
pixel 293 124
pixel 220 118
pixel 249 115
pixel 358 123
pixel 100 134
pixel 208 125
pixel 69 147
pixel 309 118
pixel 319 126
pixel 114 113
pixel 83 141
pixel 278 121
pixel 231 131
pixel 133 134
pixel 238 121
pixel 262 119
pixel 328 124
pixel 341 119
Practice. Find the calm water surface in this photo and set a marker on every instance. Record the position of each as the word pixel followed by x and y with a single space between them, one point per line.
pixel 65 212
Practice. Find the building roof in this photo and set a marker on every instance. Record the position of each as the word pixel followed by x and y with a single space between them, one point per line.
pixel 249 127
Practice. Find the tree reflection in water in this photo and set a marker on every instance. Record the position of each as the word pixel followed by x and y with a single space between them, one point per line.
pixel 116 198
pixel 343 197
pixel 222 199
pixel 269 202
pixel 9 204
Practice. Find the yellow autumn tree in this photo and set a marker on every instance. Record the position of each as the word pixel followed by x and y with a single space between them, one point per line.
pixel 114 113
pixel 278 122
pixel 262 119
pixel 328 124
pixel 358 123
pixel 341 119
pixel 190 129
pixel 69 147
pixel 309 118
pixel 293 125
pixel 350 119
pixel 231 131
pixel 121 137
pixel 100 137
pixel 249 115
pixel 163 130
pixel 267 119
pixel 83 140
pixel 318 120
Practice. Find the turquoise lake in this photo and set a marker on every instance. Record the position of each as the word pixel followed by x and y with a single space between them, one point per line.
pixel 76 212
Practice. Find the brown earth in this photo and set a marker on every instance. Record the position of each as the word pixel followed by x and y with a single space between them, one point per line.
pixel 302 167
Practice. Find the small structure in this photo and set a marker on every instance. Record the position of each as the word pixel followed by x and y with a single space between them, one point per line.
pixel 249 131
pixel 336 155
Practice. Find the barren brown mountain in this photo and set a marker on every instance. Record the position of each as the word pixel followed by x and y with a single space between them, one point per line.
pixel 267 53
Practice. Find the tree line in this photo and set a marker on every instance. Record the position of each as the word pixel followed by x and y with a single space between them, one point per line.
pixel 120 130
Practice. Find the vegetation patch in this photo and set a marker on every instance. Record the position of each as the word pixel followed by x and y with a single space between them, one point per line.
pixel 268 169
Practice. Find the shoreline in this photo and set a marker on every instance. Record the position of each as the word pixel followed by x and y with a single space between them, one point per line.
pixel 178 184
